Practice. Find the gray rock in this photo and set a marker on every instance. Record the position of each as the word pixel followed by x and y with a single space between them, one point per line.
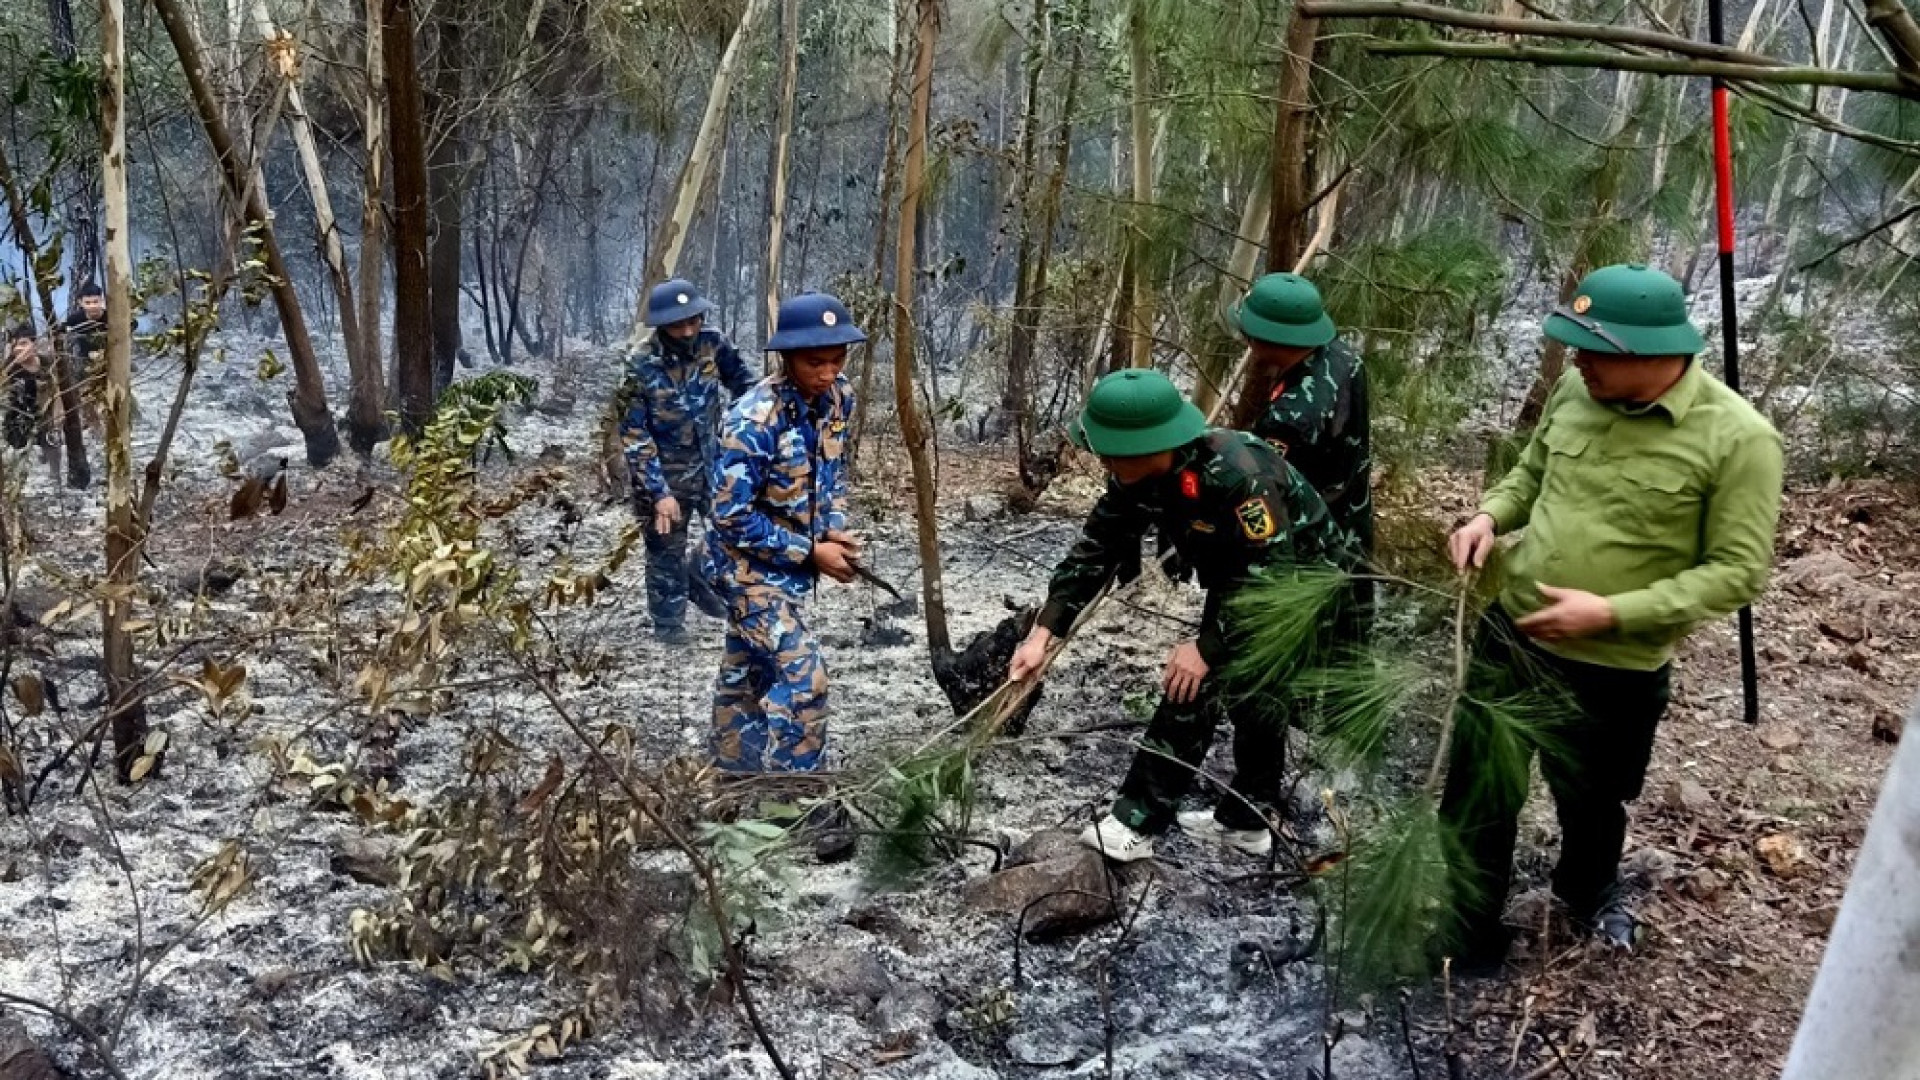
pixel 1352 1056
pixel 909 1009
pixel 366 859
pixel 1045 1049
pixel 20 1057
pixel 986 506
pixel 1690 796
pixel 849 976
pixel 1042 846
pixel 1058 896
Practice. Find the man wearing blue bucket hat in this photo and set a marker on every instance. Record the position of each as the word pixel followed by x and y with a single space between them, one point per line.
pixel 674 400
pixel 1233 508
pixel 779 522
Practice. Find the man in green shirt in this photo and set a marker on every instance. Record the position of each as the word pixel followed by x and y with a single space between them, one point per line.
pixel 1232 507
pixel 1649 493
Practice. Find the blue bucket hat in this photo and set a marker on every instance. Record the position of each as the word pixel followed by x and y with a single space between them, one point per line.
pixel 675 301
pixel 811 321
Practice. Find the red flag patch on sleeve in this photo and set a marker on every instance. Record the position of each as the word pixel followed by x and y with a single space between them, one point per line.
pixel 1189 483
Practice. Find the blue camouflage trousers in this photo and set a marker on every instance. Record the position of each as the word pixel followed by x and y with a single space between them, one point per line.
pixel 770 702
pixel 673 576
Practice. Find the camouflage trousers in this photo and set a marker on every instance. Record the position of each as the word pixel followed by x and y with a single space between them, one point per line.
pixel 672 575
pixel 770 702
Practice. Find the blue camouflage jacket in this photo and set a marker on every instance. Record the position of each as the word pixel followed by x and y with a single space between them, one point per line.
pixel 673 400
pixel 779 481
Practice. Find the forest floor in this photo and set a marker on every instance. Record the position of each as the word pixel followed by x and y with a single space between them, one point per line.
pixel 1741 845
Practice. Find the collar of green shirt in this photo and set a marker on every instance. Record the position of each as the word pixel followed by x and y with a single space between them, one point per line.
pixel 1678 399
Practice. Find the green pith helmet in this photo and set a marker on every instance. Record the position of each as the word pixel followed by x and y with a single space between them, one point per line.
pixel 1627 310
pixel 1284 309
pixel 1134 413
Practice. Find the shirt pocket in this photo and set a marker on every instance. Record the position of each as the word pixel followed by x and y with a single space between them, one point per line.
pixel 790 473
pixel 1569 467
pixel 1659 498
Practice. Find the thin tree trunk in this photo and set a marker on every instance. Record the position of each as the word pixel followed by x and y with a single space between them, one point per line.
pixel 592 273
pixel 284 52
pixel 1027 321
pixel 412 325
pixel 913 429
pixel 670 239
pixel 783 141
pixel 367 409
pixel 83 224
pixel 444 178
pixel 1140 306
pixel 62 374
pixel 309 397
pixel 1016 394
pixel 1291 163
pixel 125 705
pixel 1241 265
pixel 889 176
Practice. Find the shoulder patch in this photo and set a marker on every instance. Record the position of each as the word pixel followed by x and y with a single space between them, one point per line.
pixel 1189 483
pixel 1278 444
pixel 1256 519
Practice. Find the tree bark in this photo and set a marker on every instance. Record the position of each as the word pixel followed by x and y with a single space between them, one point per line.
pixel 284 56
pixel 1241 266
pixel 913 429
pixel 309 397
pixel 406 134
pixel 444 176
pixel 1016 394
pixel 889 176
pixel 1901 84
pixel 126 708
pixel 1140 308
pixel 83 223
pixel 671 237
pixel 1292 179
pixel 367 409
pixel 783 142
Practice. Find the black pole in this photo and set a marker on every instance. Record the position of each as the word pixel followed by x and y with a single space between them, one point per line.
pixel 1730 318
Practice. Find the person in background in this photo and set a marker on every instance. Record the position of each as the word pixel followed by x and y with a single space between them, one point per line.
pixel 30 405
pixel 779 522
pixel 675 395
pixel 1648 496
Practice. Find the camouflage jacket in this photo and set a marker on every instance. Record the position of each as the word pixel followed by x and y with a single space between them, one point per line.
pixel 1230 505
pixel 673 400
pixel 1318 419
pixel 779 481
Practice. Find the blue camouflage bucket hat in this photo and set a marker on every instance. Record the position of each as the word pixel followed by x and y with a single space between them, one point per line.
pixel 813 320
pixel 675 301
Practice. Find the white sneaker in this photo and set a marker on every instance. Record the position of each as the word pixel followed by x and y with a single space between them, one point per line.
pixel 1201 825
pixel 1111 837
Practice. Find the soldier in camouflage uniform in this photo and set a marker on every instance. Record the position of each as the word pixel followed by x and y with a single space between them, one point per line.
pixel 30 408
pixel 1231 506
pixel 779 521
pixel 1316 415
pixel 674 398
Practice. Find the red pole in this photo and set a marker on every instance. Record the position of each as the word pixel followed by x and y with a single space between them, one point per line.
pixel 1730 321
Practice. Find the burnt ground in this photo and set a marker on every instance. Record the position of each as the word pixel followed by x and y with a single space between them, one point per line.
pixel 1742 842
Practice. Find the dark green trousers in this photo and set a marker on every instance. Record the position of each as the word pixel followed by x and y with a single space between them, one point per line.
pixel 1175 747
pixel 1594 740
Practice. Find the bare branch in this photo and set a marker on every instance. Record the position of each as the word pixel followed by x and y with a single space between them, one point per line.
pixel 1495 24
pixel 1588 58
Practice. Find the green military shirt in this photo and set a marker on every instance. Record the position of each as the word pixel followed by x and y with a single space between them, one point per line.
pixel 1231 505
pixel 1668 511
pixel 1318 419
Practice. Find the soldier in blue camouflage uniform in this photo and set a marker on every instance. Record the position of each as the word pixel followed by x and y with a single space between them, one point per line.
pixel 779 521
pixel 1231 506
pixel 674 399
